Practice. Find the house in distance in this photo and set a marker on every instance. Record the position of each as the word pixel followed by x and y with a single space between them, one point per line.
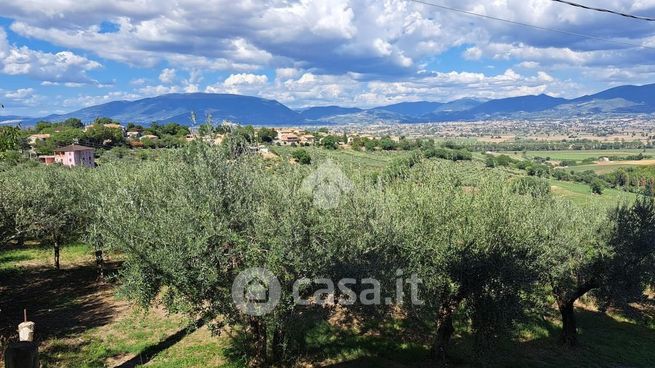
pixel 75 155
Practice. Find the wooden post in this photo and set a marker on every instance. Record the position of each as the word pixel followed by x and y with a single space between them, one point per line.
pixel 23 354
pixel 56 255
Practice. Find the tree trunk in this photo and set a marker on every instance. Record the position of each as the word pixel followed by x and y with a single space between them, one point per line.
pixel 258 330
pixel 566 306
pixel 445 331
pixel 56 255
pixel 569 336
pixel 277 352
pixel 100 263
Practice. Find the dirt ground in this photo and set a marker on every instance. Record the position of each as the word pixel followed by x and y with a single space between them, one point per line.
pixel 62 303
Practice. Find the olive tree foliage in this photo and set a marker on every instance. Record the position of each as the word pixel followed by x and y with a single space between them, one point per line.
pixel 475 248
pixel 632 262
pixel 7 215
pixel 574 256
pixel 605 254
pixel 43 203
pixel 190 224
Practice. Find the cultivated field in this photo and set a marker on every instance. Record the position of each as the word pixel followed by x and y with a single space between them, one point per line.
pixel 579 155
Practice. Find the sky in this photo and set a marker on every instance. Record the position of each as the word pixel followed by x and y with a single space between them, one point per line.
pixel 58 56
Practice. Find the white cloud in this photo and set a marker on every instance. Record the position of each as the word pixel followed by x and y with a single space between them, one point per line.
pixel 331 51
pixel 249 79
pixel 336 36
pixel 19 94
pixel 529 64
pixel 473 53
pixel 85 100
pixel 167 76
pixel 138 82
pixel 297 88
pixel 60 67
pixel 158 90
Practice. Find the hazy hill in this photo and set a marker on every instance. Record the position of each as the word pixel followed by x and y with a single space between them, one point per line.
pixel 258 111
pixel 178 107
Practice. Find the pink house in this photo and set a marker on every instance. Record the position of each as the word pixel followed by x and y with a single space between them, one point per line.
pixel 75 155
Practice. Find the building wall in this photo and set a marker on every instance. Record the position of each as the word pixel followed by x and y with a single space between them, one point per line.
pixel 76 158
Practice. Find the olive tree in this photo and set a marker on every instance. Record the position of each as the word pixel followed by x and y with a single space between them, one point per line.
pixel 7 215
pixel 592 251
pixel 472 246
pixel 574 255
pixel 50 208
pixel 190 224
pixel 632 263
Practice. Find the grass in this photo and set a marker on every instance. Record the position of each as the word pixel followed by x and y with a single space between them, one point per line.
pixel 605 341
pixel 82 323
pixel 28 255
pixel 198 349
pixel 580 193
pixel 608 167
pixel 129 339
pixel 154 339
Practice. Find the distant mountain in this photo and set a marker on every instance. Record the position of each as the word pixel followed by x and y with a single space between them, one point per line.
pixel 638 99
pixel 319 112
pixel 638 94
pixel 372 116
pixel 258 111
pixel 11 120
pixel 517 104
pixel 178 107
pixel 414 109
pixel 463 104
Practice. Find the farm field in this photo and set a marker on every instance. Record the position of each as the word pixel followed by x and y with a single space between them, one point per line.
pixel 579 155
pixel 580 193
pixel 607 167
pixel 349 158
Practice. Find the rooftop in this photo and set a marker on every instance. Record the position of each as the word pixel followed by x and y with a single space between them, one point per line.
pixel 73 148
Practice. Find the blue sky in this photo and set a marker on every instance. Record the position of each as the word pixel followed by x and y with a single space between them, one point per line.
pixel 59 56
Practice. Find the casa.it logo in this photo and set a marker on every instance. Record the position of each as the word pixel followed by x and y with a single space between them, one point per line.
pixel 326 185
pixel 256 292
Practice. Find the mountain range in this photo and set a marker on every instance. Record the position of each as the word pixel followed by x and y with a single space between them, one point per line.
pixel 257 111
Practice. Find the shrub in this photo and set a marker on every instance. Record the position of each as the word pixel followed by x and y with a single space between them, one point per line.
pixel 302 156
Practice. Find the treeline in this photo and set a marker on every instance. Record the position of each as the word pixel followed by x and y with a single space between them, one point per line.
pixel 572 144
pixel 403 143
pixel 490 250
pixel 428 147
pixel 105 133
